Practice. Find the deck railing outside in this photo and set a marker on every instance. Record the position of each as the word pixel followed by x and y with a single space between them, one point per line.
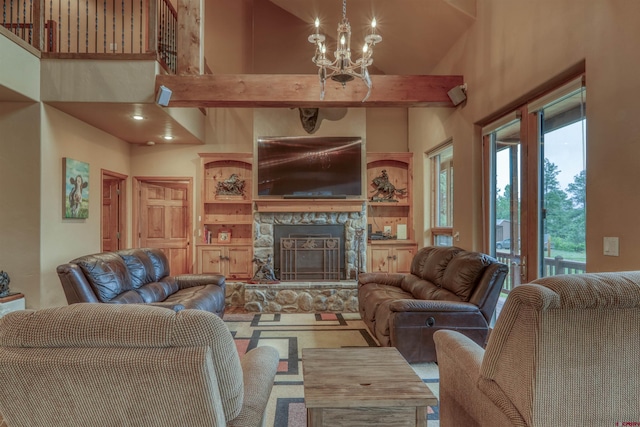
pixel 83 27
pixel 551 267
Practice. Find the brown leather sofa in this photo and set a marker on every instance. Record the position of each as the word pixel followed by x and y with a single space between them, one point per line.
pixel 448 288
pixel 139 276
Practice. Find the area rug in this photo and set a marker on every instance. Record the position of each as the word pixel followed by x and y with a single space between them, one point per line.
pixel 289 333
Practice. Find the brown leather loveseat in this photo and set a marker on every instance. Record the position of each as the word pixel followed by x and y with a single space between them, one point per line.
pixel 448 288
pixel 139 276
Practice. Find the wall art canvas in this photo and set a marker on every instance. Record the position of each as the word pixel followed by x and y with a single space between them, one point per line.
pixel 76 188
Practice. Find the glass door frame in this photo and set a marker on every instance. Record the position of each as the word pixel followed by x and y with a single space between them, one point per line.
pixel 528 195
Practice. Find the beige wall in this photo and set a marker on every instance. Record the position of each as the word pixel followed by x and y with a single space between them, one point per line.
pixel 20 197
pixel 65 239
pixel 387 129
pixel 19 70
pixel 514 48
pixel 228 36
pixel 280 44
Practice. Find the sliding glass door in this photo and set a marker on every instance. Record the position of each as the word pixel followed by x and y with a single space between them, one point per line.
pixel 562 210
pixel 506 160
pixel 535 186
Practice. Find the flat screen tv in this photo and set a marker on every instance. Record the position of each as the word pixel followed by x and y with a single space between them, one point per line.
pixel 310 167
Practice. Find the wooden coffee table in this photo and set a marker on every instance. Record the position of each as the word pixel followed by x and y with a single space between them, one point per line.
pixel 363 386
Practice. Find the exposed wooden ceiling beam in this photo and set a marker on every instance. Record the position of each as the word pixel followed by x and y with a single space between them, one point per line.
pixel 296 90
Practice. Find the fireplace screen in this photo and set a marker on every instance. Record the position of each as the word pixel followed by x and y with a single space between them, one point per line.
pixel 310 258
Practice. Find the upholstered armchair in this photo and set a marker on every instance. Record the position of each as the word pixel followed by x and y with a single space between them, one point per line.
pixel 129 365
pixel 563 353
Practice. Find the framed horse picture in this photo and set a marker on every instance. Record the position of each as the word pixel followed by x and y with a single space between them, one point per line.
pixel 75 188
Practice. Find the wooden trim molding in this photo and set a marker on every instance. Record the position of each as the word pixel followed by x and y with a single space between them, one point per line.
pixel 309 205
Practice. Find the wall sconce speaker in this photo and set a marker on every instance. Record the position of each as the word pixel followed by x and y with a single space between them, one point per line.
pixel 458 94
pixel 164 96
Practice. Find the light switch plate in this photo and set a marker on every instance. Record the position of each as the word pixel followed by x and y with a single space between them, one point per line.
pixel 611 246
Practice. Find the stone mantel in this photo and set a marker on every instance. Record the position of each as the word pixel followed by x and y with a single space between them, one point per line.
pixel 309 205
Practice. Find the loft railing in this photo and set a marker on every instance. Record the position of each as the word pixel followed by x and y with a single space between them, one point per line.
pixel 550 266
pixel 85 27
pixel 167 41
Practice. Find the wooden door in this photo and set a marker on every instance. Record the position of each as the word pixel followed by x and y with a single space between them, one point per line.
pixel 113 212
pixel 165 221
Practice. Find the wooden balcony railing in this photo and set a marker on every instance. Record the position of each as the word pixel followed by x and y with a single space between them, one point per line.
pixel 88 27
pixel 550 266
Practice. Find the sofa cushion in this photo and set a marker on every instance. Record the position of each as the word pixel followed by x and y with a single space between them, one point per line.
pixel 154 291
pixel 431 263
pixel 106 273
pixel 160 263
pixel 198 297
pixel 128 297
pixel 141 269
pixel 425 290
pixel 464 272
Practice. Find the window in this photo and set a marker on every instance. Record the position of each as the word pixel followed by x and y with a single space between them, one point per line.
pixel 441 162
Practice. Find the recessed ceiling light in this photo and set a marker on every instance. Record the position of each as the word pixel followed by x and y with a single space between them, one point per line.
pixel 168 137
pixel 137 117
pixel 150 143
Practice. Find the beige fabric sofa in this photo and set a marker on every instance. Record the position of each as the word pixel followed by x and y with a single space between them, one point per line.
pixel 563 353
pixel 128 365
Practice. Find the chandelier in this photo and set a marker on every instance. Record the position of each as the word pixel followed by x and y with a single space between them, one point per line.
pixel 342 69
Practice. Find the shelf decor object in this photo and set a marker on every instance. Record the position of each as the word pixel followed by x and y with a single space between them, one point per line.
pixel 384 190
pixel 224 237
pixel 232 186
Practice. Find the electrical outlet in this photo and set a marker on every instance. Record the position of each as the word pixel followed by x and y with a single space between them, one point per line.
pixel 611 246
pixel 113 47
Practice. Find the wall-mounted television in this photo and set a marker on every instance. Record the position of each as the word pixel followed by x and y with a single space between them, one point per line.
pixel 310 167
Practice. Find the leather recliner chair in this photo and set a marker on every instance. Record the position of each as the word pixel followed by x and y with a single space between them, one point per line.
pixel 448 288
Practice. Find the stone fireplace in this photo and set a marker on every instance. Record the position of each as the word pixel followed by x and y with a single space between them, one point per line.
pixel 271 227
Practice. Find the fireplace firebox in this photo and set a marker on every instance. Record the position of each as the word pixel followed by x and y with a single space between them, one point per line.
pixel 309 252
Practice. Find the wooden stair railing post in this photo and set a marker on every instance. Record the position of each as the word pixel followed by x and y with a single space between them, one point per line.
pixel 189 37
pixel 37 38
pixel 152 26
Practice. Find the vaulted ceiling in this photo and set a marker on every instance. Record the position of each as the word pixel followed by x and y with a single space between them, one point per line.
pixel 417 34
